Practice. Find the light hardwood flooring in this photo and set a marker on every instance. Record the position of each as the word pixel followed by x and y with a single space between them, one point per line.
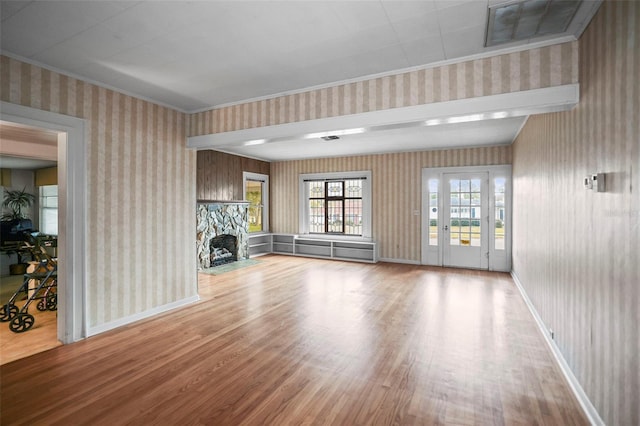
pixel 308 341
pixel 41 337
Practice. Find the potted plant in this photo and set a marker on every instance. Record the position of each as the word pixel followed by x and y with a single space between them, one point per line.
pixel 15 223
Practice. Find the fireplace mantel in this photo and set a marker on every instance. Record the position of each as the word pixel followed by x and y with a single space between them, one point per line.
pixel 222 202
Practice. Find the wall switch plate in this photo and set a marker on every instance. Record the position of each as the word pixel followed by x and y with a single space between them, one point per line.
pixel 588 183
pixel 599 182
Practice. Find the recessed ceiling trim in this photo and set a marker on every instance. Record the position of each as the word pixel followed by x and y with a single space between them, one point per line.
pixel 515 104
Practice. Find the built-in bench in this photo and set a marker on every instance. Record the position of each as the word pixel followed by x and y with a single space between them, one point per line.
pixel 304 245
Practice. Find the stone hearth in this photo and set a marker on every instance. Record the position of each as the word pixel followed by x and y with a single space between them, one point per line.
pixel 219 218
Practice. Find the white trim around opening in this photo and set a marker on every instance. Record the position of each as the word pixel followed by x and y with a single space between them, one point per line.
pixel 72 212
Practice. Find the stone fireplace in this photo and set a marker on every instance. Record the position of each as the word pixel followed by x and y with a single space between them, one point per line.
pixel 222 232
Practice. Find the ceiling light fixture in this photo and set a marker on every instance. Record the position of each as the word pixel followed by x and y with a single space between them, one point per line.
pixel 335 133
pixel 527 19
pixel 465 118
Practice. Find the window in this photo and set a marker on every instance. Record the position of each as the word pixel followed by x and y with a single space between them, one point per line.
pixel 336 203
pixel 499 184
pixel 433 212
pixel 256 192
pixel 49 209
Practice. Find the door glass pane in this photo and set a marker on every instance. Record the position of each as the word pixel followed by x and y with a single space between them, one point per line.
pixel 254 197
pixel 454 225
pixel 465 223
pixel 499 197
pixel 433 212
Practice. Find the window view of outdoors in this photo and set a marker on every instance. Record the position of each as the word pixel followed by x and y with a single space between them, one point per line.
pixel 49 209
pixel 499 185
pixel 433 212
pixel 335 207
pixel 465 212
pixel 254 197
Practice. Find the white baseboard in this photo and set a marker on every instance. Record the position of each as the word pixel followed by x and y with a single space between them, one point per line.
pixel 92 331
pixel 588 408
pixel 390 260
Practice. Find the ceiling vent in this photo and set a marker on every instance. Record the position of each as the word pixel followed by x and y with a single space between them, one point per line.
pixel 330 138
pixel 527 19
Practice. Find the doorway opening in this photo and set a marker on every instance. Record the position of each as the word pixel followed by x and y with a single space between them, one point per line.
pixel 466 220
pixel 70 199
pixel 28 243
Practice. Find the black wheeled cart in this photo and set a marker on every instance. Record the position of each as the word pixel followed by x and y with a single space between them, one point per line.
pixel 39 286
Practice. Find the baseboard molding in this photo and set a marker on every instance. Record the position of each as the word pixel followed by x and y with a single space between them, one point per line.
pixel 391 260
pixel 92 331
pixel 588 408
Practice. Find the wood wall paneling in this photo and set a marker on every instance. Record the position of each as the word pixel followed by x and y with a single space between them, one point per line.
pixel 219 175
pixel 577 251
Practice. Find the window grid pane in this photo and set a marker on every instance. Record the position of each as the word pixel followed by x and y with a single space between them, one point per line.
pixel 334 216
pixel 316 216
pixel 49 209
pixel 353 216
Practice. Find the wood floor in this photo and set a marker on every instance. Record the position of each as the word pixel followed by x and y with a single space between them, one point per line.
pixel 305 341
pixel 42 336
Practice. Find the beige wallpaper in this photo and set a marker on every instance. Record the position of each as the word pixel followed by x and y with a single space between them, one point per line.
pixel 395 191
pixel 140 191
pixel 531 69
pixel 577 252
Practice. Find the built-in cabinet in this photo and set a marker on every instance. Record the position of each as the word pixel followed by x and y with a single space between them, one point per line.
pixel 297 245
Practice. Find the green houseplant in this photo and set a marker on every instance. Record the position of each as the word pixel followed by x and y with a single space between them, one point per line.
pixel 17 201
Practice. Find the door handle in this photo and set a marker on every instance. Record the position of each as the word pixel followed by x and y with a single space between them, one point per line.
pixel 445 228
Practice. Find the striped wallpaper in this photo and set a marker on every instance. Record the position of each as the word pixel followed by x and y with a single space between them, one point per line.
pixel 577 252
pixel 395 191
pixel 530 69
pixel 140 191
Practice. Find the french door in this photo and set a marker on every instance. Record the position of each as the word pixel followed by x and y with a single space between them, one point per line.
pixel 466 217
pixel 465 220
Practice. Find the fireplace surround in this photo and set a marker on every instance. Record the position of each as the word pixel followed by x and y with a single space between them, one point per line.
pixel 216 219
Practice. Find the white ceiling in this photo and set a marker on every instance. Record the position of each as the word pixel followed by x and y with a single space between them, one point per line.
pixel 193 56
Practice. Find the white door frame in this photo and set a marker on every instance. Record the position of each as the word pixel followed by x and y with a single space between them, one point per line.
pixel 72 212
pixel 499 260
pixel 479 256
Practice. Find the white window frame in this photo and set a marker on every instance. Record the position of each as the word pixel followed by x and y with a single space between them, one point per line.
pixel 42 208
pixel 258 177
pixel 366 203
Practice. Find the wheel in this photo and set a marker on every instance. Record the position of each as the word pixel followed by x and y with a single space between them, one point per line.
pixel 52 302
pixel 42 305
pixel 21 323
pixel 7 312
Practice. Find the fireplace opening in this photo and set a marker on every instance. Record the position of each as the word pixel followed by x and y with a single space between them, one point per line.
pixel 224 249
